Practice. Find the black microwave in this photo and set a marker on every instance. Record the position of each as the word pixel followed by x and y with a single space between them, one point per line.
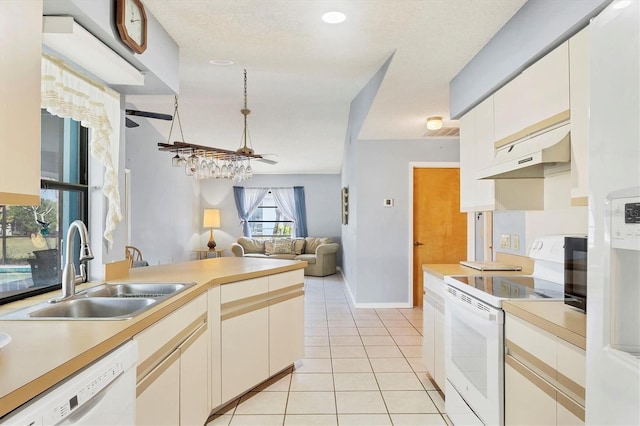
pixel 575 272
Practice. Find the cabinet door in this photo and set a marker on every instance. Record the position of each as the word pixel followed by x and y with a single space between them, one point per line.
pixel 158 394
pixel 21 47
pixel 484 154
pixel 194 395
pixel 467 161
pixel 438 331
pixel 245 352
pixel 579 85
pixel 529 400
pixel 215 348
pixel 428 336
pixel 286 333
pixel 538 94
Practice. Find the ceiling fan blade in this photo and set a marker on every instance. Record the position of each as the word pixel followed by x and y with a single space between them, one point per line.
pixel 267 161
pixel 130 123
pixel 148 114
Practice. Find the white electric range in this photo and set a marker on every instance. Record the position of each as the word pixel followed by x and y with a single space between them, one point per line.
pixel 474 331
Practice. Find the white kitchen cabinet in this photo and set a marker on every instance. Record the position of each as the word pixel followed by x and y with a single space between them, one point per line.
pixel 544 377
pixel 215 348
pixel 158 394
pixel 194 398
pixel 433 329
pixel 172 373
pixel 477 150
pixel 261 331
pixel 579 87
pixel 244 335
pixel 539 94
pixel 20 51
pixel 286 336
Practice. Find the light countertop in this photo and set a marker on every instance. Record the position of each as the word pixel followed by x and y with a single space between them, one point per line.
pixel 42 353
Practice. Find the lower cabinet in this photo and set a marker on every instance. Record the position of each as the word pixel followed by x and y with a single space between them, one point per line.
pixel 433 329
pixel 172 383
pixel 544 377
pixel 262 330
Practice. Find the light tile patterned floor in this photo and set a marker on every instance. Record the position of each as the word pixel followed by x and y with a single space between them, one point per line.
pixel 361 367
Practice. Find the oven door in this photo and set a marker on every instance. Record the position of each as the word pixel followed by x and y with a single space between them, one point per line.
pixel 474 357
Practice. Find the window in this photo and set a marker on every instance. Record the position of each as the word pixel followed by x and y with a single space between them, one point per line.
pixel 30 236
pixel 268 220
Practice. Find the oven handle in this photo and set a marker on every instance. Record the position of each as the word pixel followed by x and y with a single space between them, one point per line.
pixel 487 316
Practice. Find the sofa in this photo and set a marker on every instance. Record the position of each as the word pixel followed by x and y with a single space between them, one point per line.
pixel 319 253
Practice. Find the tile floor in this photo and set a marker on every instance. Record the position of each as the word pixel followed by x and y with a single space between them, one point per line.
pixel 362 367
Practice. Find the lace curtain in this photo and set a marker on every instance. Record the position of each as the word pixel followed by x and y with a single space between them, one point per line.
pixel 68 94
pixel 283 198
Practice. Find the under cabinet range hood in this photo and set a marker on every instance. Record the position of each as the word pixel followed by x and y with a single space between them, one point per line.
pixel 526 157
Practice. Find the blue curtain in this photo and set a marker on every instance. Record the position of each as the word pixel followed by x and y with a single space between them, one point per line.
pixel 247 201
pixel 238 194
pixel 301 212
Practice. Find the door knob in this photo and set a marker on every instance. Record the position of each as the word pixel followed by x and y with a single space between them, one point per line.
pixel 418 243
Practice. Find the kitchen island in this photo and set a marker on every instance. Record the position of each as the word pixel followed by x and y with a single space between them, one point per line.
pixel 43 353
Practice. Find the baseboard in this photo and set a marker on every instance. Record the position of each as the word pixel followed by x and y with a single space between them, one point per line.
pixel 370 305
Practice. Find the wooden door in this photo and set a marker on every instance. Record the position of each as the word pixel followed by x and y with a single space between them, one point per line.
pixel 439 228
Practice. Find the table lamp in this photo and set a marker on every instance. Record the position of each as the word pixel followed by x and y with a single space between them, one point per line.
pixel 211 220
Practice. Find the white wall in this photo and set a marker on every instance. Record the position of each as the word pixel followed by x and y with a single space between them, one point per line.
pixel 384 234
pixel 322 198
pixel 165 203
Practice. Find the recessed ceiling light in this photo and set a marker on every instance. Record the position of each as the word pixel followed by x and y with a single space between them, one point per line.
pixel 334 17
pixel 221 62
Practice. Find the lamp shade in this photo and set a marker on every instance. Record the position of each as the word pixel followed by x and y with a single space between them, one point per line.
pixel 211 218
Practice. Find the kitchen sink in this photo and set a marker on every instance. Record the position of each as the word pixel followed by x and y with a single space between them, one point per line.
pixel 102 302
pixel 134 290
pixel 108 308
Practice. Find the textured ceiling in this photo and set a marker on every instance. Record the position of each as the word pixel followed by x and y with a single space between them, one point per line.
pixel 303 73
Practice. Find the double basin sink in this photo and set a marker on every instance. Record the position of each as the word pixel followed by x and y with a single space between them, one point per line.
pixel 103 302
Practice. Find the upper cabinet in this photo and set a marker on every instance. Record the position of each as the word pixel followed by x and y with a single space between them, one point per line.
pixel 555 89
pixel 579 89
pixel 535 99
pixel 20 51
pixel 476 150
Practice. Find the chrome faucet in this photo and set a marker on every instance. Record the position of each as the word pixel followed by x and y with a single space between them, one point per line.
pixel 69 277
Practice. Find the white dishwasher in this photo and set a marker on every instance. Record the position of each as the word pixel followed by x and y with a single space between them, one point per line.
pixel 103 393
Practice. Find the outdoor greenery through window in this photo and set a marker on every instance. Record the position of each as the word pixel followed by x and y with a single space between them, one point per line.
pixel 31 258
pixel 269 222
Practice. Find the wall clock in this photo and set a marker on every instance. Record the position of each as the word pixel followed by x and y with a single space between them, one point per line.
pixel 131 20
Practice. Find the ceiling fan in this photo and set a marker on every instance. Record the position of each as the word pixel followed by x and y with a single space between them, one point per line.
pixel 130 123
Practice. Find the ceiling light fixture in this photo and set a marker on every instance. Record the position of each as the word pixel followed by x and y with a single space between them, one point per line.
pixel 434 122
pixel 222 62
pixel 334 17
pixel 205 162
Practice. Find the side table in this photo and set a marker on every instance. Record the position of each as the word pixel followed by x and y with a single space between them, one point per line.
pixel 204 254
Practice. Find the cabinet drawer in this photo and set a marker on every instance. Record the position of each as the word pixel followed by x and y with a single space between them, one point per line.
pixel 286 279
pixel 243 289
pixel 536 342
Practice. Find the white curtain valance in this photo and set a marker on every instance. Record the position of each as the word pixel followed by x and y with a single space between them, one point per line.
pixel 68 94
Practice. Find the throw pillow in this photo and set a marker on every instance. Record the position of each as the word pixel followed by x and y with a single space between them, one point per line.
pixel 312 244
pixel 279 246
pixel 298 246
pixel 251 245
